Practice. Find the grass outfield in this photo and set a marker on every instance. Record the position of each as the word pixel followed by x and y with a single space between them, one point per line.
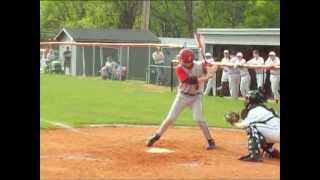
pixel 78 101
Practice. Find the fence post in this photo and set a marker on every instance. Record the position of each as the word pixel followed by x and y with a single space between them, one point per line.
pixel 148 70
pixel 83 63
pixel 94 60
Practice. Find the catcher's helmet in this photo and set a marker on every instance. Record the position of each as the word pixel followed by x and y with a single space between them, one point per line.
pixel 186 55
pixel 256 97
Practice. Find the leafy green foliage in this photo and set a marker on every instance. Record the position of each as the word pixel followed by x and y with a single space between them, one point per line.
pixel 169 18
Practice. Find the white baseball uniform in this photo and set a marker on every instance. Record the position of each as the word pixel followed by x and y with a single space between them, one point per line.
pixel 189 95
pixel 260 74
pixel 274 77
pixel 211 84
pixel 224 77
pixel 245 79
pixel 270 129
pixel 234 78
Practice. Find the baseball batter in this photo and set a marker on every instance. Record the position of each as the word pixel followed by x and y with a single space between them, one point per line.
pixel 245 76
pixel 273 60
pixel 211 84
pixel 191 76
pixel 262 125
pixel 260 74
pixel 234 77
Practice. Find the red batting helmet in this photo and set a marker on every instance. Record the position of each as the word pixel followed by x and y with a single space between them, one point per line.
pixel 186 56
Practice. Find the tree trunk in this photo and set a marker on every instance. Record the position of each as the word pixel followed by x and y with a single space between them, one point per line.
pixel 128 13
pixel 188 6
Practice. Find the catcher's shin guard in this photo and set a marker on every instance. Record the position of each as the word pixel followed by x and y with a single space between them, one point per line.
pixel 152 139
pixel 254 139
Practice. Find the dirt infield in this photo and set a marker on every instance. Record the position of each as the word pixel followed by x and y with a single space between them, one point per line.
pixel 120 153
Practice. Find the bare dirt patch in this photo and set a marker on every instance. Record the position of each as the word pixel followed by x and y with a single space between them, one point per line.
pixel 120 153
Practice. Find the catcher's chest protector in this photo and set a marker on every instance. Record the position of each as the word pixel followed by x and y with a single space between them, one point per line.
pixel 195 71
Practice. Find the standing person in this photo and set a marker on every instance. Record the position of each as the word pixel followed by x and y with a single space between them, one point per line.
pixel 211 84
pixel 114 66
pixel 260 74
pixel 262 125
pixel 67 60
pixel 158 59
pixel 244 76
pixel 273 61
pixel 104 73
pixel 234 76
pixel 191 76
pixel 225 77
pixel 51 55
pixel 108 66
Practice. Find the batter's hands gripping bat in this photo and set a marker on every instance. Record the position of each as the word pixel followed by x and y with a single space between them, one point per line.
pixel 197 37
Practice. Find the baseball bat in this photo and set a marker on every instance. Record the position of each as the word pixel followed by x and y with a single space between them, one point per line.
pixel 197 38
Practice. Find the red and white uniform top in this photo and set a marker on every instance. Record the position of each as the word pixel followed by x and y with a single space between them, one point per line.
pixel 185 74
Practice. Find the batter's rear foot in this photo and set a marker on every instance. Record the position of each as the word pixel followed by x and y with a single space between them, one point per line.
pixel 211 144
pixel 152 140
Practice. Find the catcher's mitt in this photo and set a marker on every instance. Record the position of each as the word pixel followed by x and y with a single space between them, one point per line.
pixel 232 117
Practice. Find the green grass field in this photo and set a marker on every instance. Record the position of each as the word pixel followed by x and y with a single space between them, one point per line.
pixel 79 101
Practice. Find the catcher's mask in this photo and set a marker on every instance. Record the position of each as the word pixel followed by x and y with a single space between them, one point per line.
pixel 255 97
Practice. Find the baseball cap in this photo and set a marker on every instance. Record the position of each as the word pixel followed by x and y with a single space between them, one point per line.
pixel 208 54
pixel 272 53
pixel 239 54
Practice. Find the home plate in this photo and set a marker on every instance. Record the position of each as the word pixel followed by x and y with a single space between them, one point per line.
pixel 159 150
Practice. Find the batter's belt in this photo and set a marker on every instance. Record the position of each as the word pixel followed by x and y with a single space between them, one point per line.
pixel 189 94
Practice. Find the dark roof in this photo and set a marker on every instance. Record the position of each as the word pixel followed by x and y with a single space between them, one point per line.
pixel 109 35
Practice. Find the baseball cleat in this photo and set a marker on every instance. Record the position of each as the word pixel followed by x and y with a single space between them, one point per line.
pixel 274 154
pixel 211 144
pixel 152 140
pixel 251 158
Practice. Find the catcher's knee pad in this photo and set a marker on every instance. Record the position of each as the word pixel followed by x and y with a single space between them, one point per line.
pixel 255 139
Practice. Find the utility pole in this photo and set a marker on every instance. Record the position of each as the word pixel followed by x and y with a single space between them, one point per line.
pixel 145 15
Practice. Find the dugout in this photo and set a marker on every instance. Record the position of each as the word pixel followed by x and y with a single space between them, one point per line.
pixel 245 40
pixel 87 60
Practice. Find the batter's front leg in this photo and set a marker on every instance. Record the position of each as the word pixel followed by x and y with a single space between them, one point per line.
pixel 179 103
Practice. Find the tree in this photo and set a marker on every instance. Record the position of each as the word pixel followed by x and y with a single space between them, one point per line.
pixel 262 14
pixel 128 12
pixel 189 14
pixel 99 14
pixel 170 18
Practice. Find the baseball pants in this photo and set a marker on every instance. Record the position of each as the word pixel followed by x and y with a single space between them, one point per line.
pixel 224 77
pixel 275 86
pixel 211 84
pixel 245 85
pixel 270 133
pixel 234 83
pixel 182 101
pixel 260 79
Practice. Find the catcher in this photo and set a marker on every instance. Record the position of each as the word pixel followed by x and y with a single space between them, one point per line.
pixel 262 125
